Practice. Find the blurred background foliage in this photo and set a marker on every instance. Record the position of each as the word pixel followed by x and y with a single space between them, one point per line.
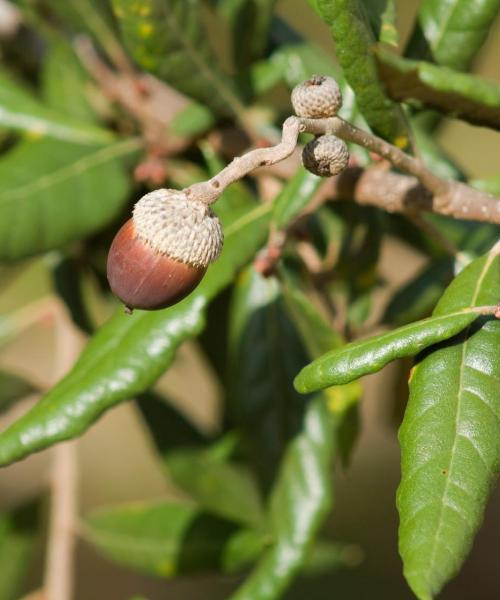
pixel 100 102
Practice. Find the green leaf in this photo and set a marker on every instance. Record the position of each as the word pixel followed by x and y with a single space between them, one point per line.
pixel 450 32
pixel 52 193
pixel 450 436
pixel 490 185
pixel 294 197
pixel 168 539
pixel 65 83
pixel 167 38
pixel 388 30
pixel 249 22
pixel 369 356
pixel 299 502
pixel 222 488
pixel 20 111
pixel 354 46
pixel 12 388
pixel 131 351
pixel 458 94
pixel 265 352
pixel 17 536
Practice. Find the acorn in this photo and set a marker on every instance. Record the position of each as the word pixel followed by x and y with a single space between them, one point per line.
pixel 317 97
pixel 161 254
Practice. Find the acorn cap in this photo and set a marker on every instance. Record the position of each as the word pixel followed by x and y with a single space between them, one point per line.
pixel 185 230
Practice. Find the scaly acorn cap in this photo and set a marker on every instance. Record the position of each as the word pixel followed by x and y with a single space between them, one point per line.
pixel 317 97
pixel 185 230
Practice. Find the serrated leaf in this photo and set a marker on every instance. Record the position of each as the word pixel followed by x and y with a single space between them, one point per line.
pixel 458 94
pixel 53 192
pixel 20 111
pixel 294 197
pixel 17 535
pixel 450 436
pixel 130 352
pixel 64 83
pixel 451 32
pixel 265 351
pixel 354 47
pixel 369 356
pixel 300 500
pixel 220 487
pixel 167 38
pixel 168 539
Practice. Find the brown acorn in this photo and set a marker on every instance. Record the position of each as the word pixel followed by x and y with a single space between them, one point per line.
pixel 160 255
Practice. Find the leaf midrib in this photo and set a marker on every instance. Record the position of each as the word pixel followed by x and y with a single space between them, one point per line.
pixel 444 504
pixel 64 173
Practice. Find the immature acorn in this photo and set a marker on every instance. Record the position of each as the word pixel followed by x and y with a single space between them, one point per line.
pixel 325 156
pixel 317 97
pixel 160 255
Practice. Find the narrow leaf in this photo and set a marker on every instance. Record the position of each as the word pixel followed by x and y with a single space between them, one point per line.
pixel 52 193
pixel 130 352
pixel 369 356
pixel 294 197
pixel 354 46
pixel 451 32
pixel 167 38
pixel 168 539
pixel 300 500
pixel 265 353
pixel 20 111
pixel 450 437
pixel 458 94
pixel 220 487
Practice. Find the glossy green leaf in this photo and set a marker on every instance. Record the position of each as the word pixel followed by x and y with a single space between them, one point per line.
pixel 65 84
pixel 299 502
pixel 220 487
pixel 20 111
pixel 249 22
pixel 130 351
pixel 369 356
pixel 451 32
pixel 458 94
pixel 354 47
pixel 265 352
pixel 53 192
pixel 17 536
pixel 167 539
pixel 168 38
pixel 450 436
pixel 12 388
pixel 294 197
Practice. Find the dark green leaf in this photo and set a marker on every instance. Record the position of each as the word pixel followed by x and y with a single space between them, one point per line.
pixel 22 112
pixel 222 488
pixel 354 46
pixel 130 351
pixel 451 32
pixel 52 193
pixel 265 353
pixel 168 539
pixel 17 534
pixel 65 83
pixel 167 38
pixel 68 276
pixel 299 502
pixel 450 436
pixel 369 356
pixel 249 21
pixel 294 197
pixel 12 388
pixel 458 94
